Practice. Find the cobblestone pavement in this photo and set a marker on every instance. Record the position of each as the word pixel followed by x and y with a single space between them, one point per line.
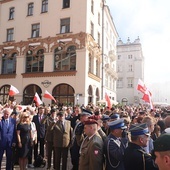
pixel 16 167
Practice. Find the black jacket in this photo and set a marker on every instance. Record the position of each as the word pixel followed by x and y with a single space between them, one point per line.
pixel 135 158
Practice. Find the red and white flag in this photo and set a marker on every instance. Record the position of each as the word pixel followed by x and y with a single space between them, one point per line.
pixel 108 100
pixel 49 96
pixel 141 86
pixel 37 99
pixel 147 94
pixel 13 91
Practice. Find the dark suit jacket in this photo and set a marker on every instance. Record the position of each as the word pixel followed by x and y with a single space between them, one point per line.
pixel 39 126
pixel 7 135
pixel 92 156
pixel 62 138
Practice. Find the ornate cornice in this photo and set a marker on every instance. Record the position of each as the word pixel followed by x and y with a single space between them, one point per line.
pixel 49 74
pixel 94 77
pixel 7 76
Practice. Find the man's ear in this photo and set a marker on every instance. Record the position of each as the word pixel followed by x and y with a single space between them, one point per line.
pixel 167 160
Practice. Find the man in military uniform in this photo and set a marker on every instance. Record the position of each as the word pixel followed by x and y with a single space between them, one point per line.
pixel 114 146
pixel 162 151
pixel 91 150
pixel 77 138
pixel 135 157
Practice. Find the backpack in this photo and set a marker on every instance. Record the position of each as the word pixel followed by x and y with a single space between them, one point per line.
pixel 39 162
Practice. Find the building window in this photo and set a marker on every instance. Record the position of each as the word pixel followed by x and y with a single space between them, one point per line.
pixel 119 68
pixel 92 6
pixel 97 68
pixel 106 80
pixel 92 29
pixel 29 93
pixel 9 63
pixel 98 38
pixel 30 9
pixel 11 13
pixel 119 57
pixel 130 68
pixel 64 94
pixel 44 6
pixel 120 83
pixel 130 82
pixel 66 3
pixel 4 94
pixel 65 25
pixel 99 18
pixel 35 63
pixel 130 57
pixel 35 30
pixel 90 64
pixel 10 34
pixel 65 60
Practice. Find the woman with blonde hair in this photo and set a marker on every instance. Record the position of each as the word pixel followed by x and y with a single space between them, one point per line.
pixel 24 137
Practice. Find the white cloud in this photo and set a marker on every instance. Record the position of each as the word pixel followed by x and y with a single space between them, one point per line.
pixel 148 19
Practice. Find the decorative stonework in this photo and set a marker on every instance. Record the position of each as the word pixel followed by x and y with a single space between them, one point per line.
pixel 49 74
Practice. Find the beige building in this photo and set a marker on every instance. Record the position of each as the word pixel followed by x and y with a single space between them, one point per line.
pixel 65 47
pixel 130 68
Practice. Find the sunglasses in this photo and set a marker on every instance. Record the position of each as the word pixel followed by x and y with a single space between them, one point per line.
pixel 26 116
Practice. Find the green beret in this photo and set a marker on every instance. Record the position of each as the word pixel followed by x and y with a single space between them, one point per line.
pixel 162 143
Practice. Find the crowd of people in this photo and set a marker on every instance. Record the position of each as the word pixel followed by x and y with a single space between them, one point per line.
pixel 103 138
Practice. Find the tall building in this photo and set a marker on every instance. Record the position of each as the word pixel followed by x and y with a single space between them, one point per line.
pixel 130 68
pixel 65 47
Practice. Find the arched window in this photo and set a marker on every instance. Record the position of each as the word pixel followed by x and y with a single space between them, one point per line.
pixel 97 95
pixel 29 93
pixel 64 94
pixel 4 97
pixel 65 60
pixel 9 63
pixel 35 63
pixel 90 94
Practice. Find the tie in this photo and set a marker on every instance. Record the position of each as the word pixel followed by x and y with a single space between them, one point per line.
pixel 62 126
pixel 6 122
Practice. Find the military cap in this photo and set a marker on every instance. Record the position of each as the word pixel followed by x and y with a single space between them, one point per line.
pixel 105 117
pixel 90 122
pixel 86 112
pixel 115 116
pixel 162 143
pixel 139 129
pixel 117 124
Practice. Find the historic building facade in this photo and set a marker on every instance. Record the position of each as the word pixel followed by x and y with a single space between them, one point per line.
pixel 65 47
pixel 130 68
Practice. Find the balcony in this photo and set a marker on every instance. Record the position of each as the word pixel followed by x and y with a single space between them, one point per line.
pixel 112 55
pixel 110 70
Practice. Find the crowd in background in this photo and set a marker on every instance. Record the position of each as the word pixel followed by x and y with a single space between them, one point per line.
pixel 53 132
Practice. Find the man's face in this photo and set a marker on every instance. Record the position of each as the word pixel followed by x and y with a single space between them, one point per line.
pixel 6 114
pixel 144 140
pixel 83 118
pixel 41 110
pixel 161 162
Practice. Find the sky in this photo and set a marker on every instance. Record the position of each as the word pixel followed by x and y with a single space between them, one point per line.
pixel 150 20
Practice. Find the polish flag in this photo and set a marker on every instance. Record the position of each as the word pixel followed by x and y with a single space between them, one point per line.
pixel 108 100
pixel 147 94
pixel 141 86
pixel 37 99
pixel 13 91
pixel 49 96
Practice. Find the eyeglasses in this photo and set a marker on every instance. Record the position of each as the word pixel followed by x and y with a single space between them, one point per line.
pixel 26 116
